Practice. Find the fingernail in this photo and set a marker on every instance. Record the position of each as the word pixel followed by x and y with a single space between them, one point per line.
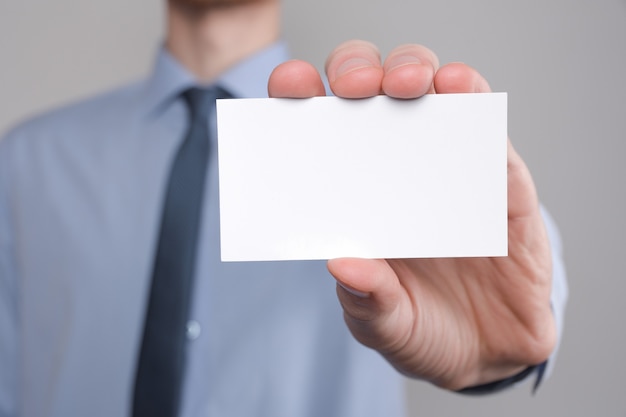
pixel 351 65
pixel 354 292
pixel 401 60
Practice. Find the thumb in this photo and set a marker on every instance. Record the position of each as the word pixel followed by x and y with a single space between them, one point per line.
pixel 374 302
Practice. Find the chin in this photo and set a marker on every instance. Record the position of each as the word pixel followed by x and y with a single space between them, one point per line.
pixel 212 3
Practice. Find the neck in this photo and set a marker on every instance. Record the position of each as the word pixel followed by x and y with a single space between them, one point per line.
pixel 208 41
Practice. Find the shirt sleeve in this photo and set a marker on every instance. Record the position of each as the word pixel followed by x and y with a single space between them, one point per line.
pixel 8 296
pixel 560 290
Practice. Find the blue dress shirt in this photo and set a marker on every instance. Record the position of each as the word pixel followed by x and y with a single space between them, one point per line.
pixel 80 196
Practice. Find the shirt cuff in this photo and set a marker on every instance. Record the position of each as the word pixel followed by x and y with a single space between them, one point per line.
pixel 502 384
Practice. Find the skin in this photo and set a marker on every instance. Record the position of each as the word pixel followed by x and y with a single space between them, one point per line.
pixel 453 322
pixel 210 36
pixel 205 4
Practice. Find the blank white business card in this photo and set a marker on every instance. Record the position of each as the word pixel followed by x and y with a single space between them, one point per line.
pixel 327 177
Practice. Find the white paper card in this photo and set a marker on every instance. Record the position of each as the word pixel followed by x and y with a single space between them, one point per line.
pixel 326 177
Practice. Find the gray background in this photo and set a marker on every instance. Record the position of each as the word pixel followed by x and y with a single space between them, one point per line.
pixel 563 63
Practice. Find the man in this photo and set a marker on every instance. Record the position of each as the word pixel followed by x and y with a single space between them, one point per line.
pixel 81 196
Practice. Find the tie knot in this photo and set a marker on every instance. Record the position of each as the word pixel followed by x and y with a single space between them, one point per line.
pixel 201 100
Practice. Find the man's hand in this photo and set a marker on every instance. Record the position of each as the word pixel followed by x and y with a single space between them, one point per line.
pixel 455 322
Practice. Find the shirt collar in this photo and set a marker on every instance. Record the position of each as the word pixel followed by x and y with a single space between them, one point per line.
pixel 248 78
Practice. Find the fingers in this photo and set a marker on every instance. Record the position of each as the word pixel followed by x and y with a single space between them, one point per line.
pixel 459 78
pixel 295 79
pixel 409 71
pixel 354 70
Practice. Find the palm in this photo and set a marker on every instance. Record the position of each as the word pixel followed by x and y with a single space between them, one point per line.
pixel 459 313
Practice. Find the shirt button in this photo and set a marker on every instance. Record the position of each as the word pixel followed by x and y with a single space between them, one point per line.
pixel 193 330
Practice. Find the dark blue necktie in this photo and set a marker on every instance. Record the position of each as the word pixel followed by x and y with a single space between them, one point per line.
pixel 161 363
